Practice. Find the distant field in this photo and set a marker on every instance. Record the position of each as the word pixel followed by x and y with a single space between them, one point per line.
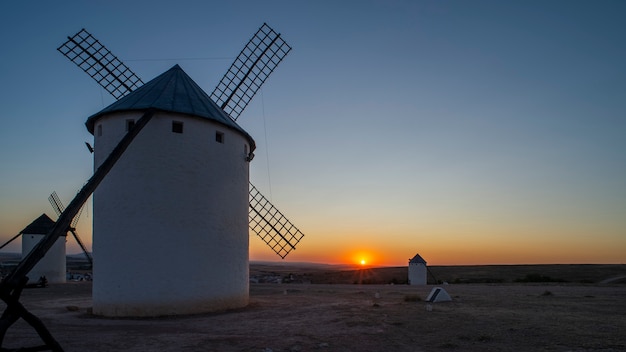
pixel 317 307
pixel 338 318
pixel 458 274
pixel 326 274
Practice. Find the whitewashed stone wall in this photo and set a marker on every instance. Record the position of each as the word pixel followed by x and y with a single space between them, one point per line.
pixel 170 221
pixel 52 265
pixel 417 274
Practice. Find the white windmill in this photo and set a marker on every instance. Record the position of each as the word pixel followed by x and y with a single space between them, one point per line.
pixel 51 267
pixel 417 270
pixel 126 119
pixel 170 221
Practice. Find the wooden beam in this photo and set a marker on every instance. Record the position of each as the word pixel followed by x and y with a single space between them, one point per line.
pixel 12 285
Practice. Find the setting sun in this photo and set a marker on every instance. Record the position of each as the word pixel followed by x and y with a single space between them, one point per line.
pixel 362 258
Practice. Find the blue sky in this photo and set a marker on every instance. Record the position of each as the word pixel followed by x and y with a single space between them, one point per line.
pixel 468 131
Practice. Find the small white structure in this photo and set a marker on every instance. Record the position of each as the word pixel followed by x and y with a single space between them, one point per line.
pixel 417 271
pixel 170 220
pixel 53 264
pixel 438 294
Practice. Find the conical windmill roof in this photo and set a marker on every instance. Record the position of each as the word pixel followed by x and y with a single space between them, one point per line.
pixel 40 226
pixel 417 260
pixel 172 91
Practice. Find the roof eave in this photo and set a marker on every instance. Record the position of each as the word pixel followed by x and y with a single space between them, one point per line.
pixel 91 121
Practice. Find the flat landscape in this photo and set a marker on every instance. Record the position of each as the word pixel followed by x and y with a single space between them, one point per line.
pixel 332 308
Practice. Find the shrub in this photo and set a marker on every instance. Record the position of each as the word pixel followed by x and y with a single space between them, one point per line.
pixel 478 280
pixel 395 281
pixel 412 298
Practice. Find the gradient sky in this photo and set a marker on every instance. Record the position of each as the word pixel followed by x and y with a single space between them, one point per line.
pixel 471 132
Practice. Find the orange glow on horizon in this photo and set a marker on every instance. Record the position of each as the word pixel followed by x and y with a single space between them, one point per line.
pixel 362 258
pixel 446 248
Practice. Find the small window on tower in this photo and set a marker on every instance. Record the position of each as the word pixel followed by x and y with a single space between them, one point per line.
pixel 99 130
pixel 129 125
pixel 219 137
pixel 177 127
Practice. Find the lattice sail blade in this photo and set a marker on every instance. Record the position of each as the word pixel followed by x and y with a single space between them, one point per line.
pixel 58 207
pixel 77 217
pixel 56 203
pixel 271 225
pixel 255 63
pixel 98 62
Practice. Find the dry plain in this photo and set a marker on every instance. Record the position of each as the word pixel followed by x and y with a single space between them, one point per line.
pixel 343 315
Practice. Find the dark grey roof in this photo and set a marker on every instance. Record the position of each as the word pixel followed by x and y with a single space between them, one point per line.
pixel 417 259
pixel 172 91
pixel 40 226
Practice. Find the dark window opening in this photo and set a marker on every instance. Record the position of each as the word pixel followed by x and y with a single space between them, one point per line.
pixel 99 130
pixel 177 127
pixel 219 137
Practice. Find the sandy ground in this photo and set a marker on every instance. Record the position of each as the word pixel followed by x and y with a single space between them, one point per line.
pixel 321 317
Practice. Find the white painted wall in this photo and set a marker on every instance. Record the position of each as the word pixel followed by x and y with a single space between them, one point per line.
pixel 52 265
pixel 417 274
pixel 170 221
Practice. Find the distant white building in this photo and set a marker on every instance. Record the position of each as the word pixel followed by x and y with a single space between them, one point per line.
pixel 417 271
pixel 52 265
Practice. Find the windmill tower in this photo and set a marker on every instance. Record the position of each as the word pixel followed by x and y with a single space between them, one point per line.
pixel 417 271
pixel 52 265
pixel 170 221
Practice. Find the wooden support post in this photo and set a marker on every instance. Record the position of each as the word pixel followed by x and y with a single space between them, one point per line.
pixel 12 285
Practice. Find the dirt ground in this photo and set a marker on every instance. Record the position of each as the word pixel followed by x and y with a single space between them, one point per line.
pixel 340 317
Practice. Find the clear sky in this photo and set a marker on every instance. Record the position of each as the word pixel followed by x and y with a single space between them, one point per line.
pixel 470 132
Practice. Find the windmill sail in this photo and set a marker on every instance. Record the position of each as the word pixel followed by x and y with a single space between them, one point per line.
pixel 255 63
pixel 271 225
pixel 98 62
